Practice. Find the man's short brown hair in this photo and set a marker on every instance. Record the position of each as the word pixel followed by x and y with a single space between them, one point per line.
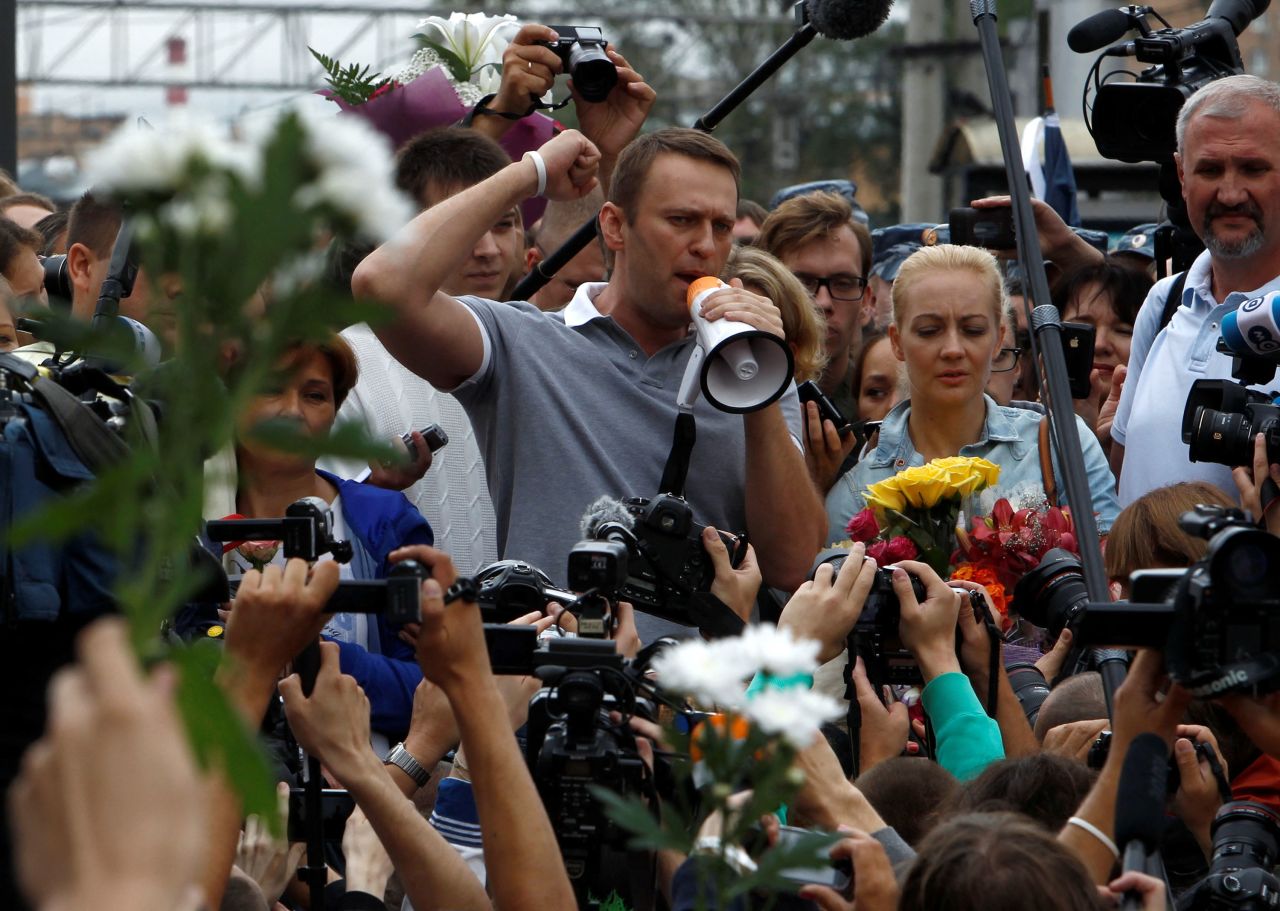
pixel 814 216
pixel 13 237
pixel 637 158
pixel 95 223
pixel 446 159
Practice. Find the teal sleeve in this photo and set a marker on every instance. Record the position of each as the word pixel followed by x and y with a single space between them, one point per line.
pixel 968 740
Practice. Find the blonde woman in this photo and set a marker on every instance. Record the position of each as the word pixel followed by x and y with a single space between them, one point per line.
pixel 948 304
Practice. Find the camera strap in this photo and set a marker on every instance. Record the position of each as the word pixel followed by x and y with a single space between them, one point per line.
pixel 482 108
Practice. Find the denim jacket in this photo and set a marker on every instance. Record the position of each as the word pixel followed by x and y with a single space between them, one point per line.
pixel 1010 438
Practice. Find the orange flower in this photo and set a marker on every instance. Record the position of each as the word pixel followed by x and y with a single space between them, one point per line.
pixel 732 725
pixel 986 577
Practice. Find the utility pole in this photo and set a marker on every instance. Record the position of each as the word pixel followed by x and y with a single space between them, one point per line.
pixel 9 86
pixel 923 109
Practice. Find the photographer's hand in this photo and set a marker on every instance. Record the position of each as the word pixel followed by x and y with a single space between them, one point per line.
pixel 1075 738
pixel 874 886
pixel 1197 799
pixel 333 722
pixel 1249 481
pixel 824 450
pixel 737 588
pixel 1058 243
pixel 109 810
pixel 529 71
pixel 368 864
pixel 826 608
pixel 274 616
pixel 928 630
pixel 613 123
pixel 1149 887
pixel 885 722
pixel 267 860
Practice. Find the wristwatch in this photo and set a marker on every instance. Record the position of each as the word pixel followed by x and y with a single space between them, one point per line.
pixel 403 760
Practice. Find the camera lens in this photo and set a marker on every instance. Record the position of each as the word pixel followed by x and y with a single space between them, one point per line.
pixel 1248 564
pixel 1222 437
pixel 1054 592
pixel 593 73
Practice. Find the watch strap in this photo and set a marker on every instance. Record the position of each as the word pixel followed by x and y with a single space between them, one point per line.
pixel 405 762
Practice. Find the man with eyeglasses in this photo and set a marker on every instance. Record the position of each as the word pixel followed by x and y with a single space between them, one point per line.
pixel 817 237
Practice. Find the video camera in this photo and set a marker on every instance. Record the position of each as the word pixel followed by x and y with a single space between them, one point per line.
pixel 1218 622
pixel 1221 417
pixel 581 50
pixel 1133 119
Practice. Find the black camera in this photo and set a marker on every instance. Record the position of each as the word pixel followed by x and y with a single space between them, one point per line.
pixel 875 638
pixel 512 588
pixel 1133 119
pixel 57 277
pixel 1220 627
pixel 668 572
pixel 574 748
pixel 1221 420
pixel 581 50
pixel 1246 839
pixel 1053 595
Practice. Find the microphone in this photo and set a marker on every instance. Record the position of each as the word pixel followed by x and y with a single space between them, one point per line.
pixel 1099 30
pixel 843 20
pixel 1253 329
pixel 1140 804
pixel 605 511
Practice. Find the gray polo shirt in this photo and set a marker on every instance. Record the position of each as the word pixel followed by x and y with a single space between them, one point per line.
pixel 567 408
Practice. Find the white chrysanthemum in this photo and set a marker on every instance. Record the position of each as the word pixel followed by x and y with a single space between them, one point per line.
pixel 137 159
pixel 709 672
pixel 795 713
pixel 204 214
pixel 777 652
pixel 356 174
pixel 299 272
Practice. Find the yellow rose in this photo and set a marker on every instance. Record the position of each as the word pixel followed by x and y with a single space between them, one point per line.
pixel 926 486
pixel 989 470
pixel 885 495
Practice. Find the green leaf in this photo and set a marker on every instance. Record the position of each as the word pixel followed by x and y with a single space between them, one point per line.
pixel 352 83
pixel 631 814
pixel 456 66
pixel 349 441
pixel 218 735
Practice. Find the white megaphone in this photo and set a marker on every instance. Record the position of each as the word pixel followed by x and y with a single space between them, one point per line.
pixel 741 368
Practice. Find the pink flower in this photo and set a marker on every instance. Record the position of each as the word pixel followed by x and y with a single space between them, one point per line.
pixel 900 548
pixel 863 527
pixel 259 553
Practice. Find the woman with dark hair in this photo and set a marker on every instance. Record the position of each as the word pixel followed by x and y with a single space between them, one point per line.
pixel 1108 297
pixel 314 379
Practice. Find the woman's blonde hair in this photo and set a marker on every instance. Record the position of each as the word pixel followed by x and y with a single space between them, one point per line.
pixel 802 321
pixel 950 258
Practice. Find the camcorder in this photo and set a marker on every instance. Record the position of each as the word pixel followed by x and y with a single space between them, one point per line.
pixel 876 638
pixel 1217 622
pixel 581 50
pixel 1132 119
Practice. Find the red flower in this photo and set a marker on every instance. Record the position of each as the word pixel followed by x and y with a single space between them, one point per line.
pixel 876 552
pixel 900 548
pixel 863 527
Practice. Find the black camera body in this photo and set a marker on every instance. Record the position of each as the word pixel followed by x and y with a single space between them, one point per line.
pixel 581 50
pixel 875 638
pixel 667 564
pixel 1220 627
pixel 512 588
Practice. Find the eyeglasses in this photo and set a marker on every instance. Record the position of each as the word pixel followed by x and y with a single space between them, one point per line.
pixel 1006 360
pixel 840 287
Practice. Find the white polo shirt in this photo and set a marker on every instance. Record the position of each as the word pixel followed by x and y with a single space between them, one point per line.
pixel 1163 363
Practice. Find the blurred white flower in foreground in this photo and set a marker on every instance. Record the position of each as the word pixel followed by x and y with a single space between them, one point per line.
pixel 794 713
pixel 142 160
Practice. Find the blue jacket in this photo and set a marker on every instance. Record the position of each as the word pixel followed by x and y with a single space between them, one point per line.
pixel 381 521
pixel 44 580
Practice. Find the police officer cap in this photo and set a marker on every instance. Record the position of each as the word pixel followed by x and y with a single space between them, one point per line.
pixel 846 188
pixel 1139 240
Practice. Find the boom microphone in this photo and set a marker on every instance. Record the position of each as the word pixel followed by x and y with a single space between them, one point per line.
pixel 844 20
pixel 1099 30
pixel 1140 803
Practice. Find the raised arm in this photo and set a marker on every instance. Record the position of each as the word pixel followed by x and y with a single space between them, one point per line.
pixel 431 333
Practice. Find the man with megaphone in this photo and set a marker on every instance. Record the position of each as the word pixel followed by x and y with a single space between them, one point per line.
pixel 580 404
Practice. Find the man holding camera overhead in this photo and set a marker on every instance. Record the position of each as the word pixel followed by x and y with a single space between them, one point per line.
pixel 580 404
pixel 1229 166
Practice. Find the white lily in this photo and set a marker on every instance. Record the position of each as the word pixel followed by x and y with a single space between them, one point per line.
pixel 475 38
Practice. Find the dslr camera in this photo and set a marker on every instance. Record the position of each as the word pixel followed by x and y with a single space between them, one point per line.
pixel 1217 622
pixel 875 638
pixel 1246 839
pixel 581 50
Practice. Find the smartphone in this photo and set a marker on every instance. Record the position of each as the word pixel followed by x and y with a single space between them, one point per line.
pixel 827 410
pixel 1077 349
pixel 837 875
pixel 335 807
pixel 434 435
pixel 989 228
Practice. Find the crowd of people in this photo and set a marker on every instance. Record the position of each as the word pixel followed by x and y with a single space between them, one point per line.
pixel 549 404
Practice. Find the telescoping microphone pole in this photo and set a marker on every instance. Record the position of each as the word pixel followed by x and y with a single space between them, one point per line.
pixel 1047 325
pixel 850 19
